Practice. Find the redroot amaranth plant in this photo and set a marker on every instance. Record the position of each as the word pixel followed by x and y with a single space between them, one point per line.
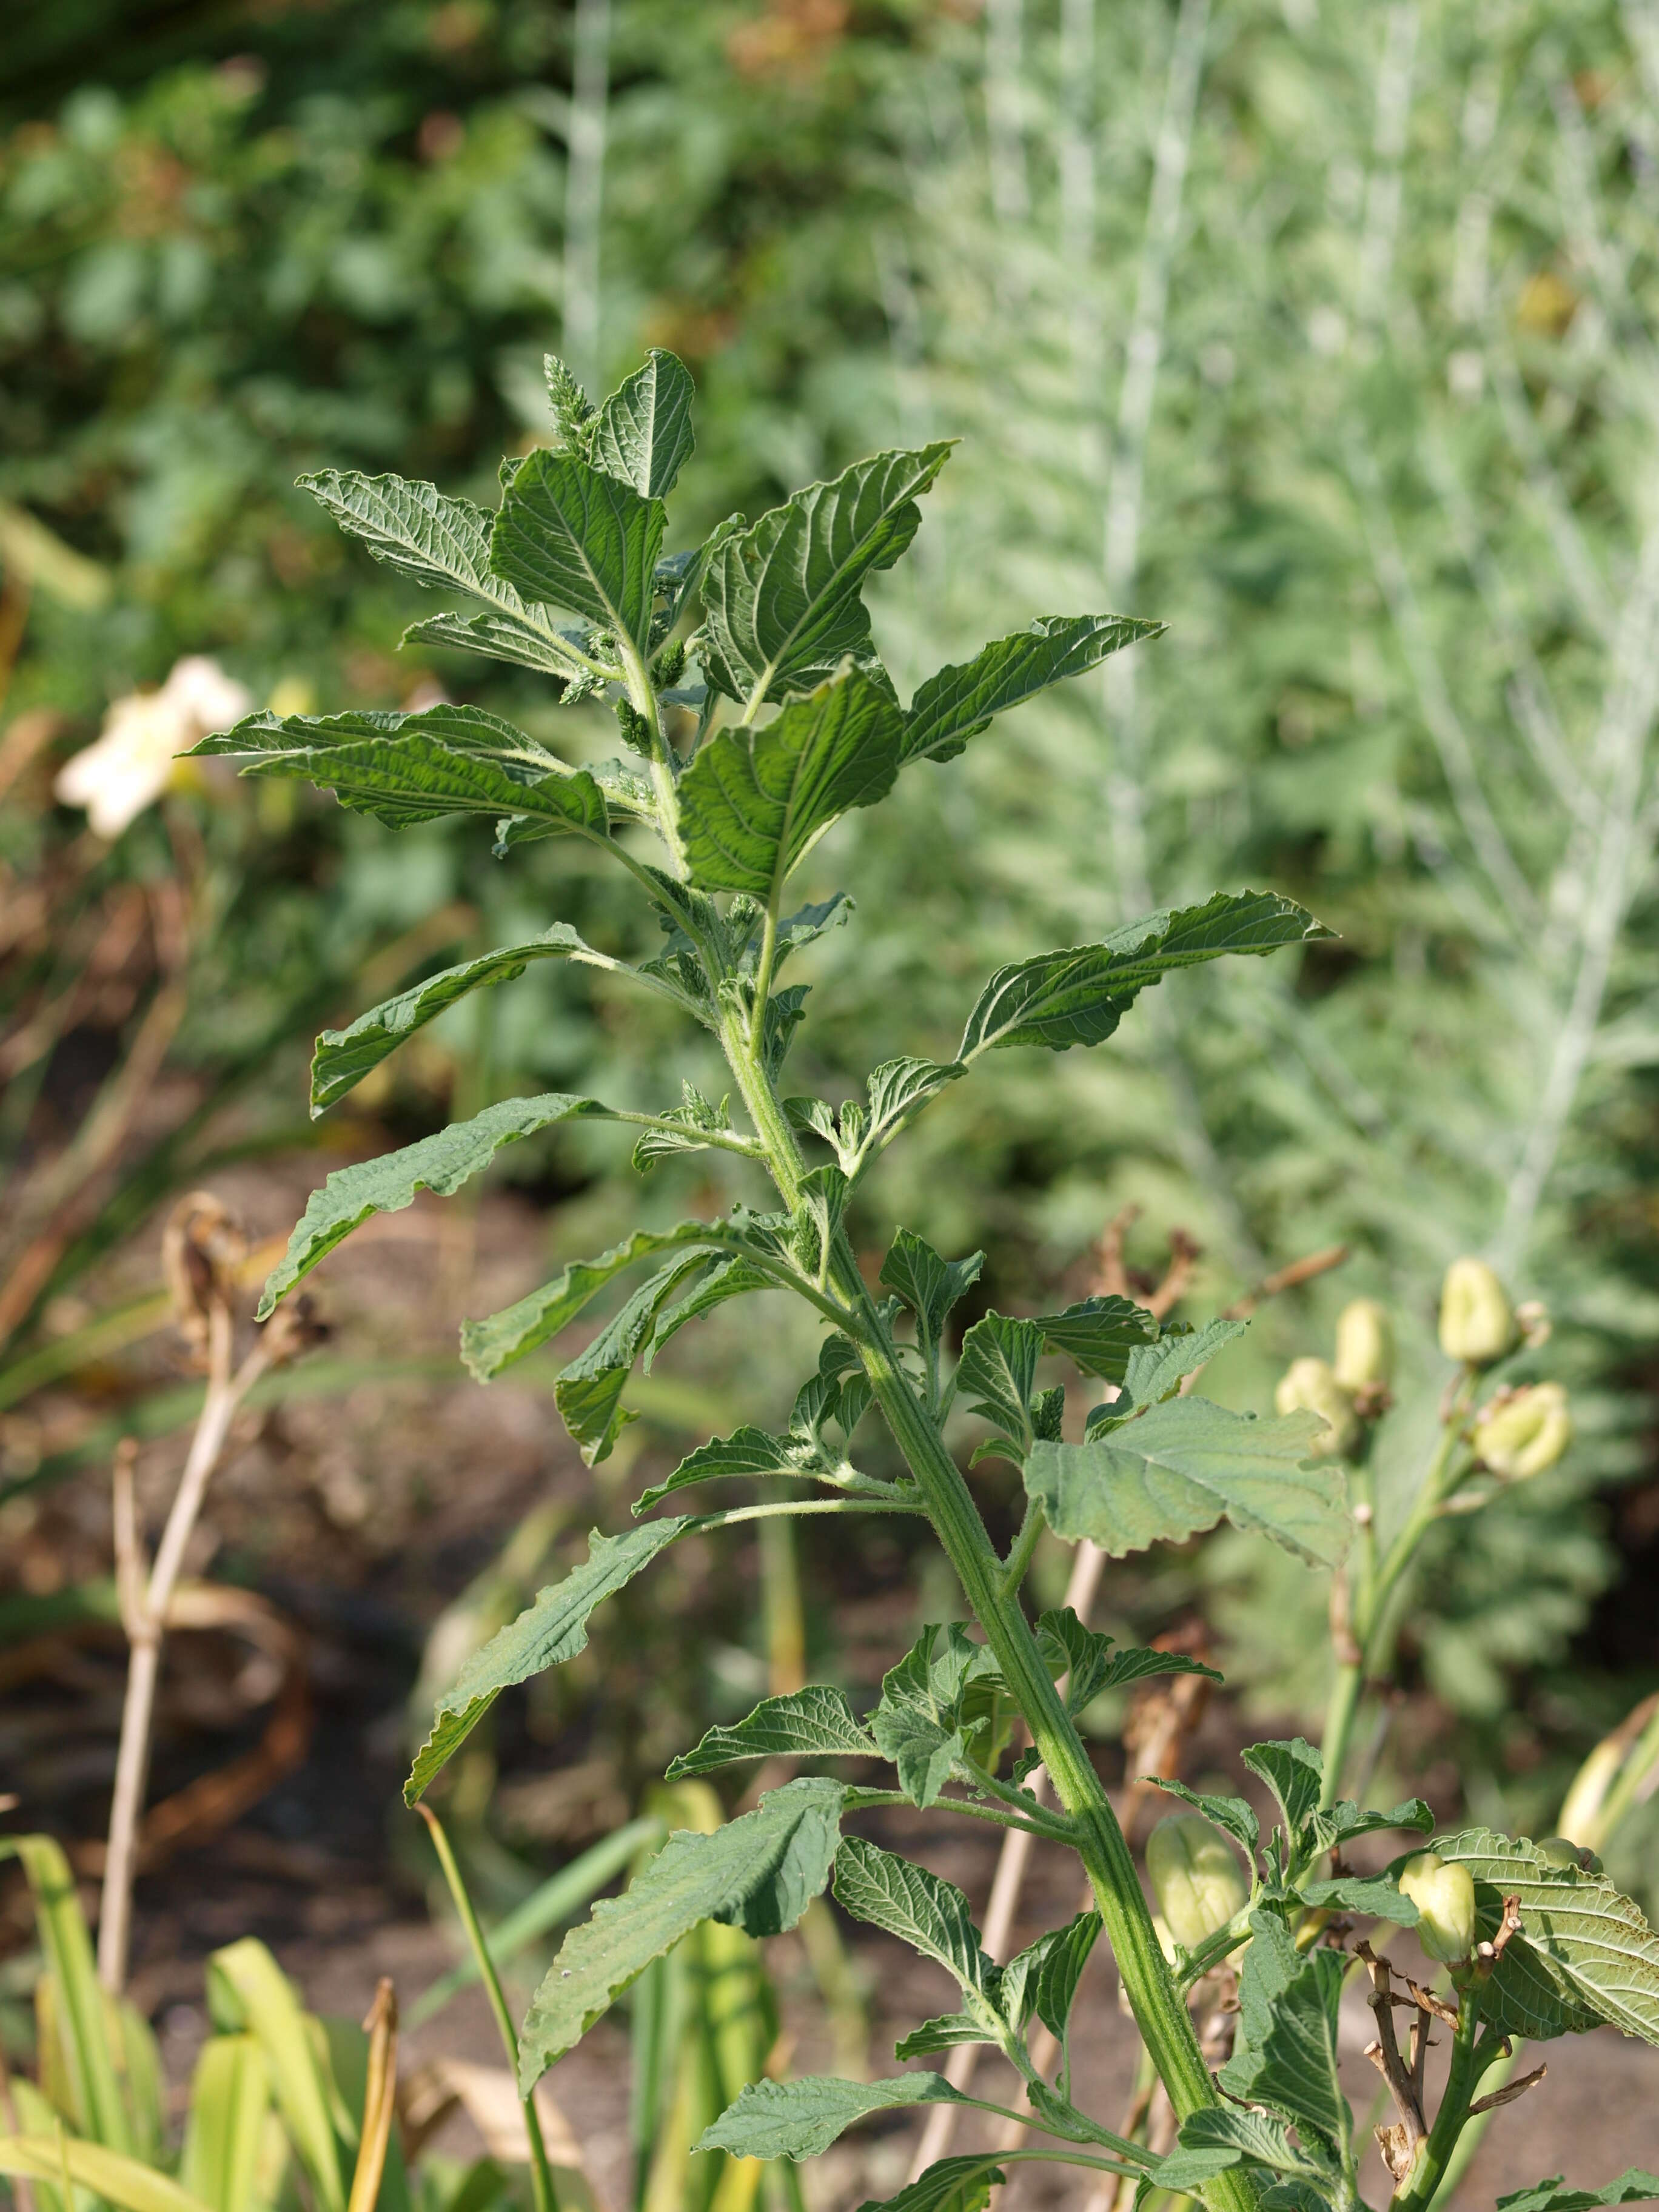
pixel 790 723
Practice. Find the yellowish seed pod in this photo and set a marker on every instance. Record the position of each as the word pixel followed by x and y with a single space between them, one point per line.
pixel 1525 1433
pixel 1364 1346
pixel 1477 1321
pixel 1196 1877
pixel 1444 1898
pixel 1310 1385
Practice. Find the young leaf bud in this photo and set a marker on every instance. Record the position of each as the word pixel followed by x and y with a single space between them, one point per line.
pixel 1477 1322
pixel 1444 1898
pixel 1364 1346
pixel 1311 1383
pixel 1196 1876
pixel 1524 1433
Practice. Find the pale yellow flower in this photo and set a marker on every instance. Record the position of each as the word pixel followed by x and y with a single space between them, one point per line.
pixel 134 758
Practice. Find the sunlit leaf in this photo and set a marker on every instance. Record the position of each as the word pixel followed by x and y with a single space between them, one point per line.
pixel 958 702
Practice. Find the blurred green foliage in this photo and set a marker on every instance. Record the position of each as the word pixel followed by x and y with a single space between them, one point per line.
pixel 1324 334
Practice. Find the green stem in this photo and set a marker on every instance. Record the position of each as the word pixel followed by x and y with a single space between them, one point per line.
pixel 1372 1596
pixel 1022 1549
pixel 1470 2058
pixel 642 697
pixel 1158 2007
pixel 541 2173
pixel 1052 1831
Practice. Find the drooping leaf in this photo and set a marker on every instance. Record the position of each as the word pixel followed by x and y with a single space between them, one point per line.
pixel 1635 2185
pixel 343 1057
pixel 798 2119
pixel 443 543
pixel 1217 2136
pixel 963 2184
pixel 1078 995
pixel 463 729
pixel 643 435
pixel 926 1717
pixel 545 1634
pixel 502 636
pixel 588 1392
pixel 1180 1467
pixel 781 600
pixel 1100 1335
pixel 949 2031
pixel 570 536
pixel 405 773
pixel 758 1872
pixel 109 2177
pixel 1295 1772
pixel 747 1451
pixel 1287 2051
pixel 489 1345
pixel 1233 1815
pixel 1042 1979
pixel 1585 1954
pixel 997 1374
pixel 440 1163
pixel 1155 1371
pixel 816 1722
pixel 929 1914
pixel 721 1281
pixel 958 702
pixel 753 800
pixel 1086 1658
pixel 929 1285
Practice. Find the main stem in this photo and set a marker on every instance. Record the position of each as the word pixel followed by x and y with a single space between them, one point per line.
pixel 1159 2009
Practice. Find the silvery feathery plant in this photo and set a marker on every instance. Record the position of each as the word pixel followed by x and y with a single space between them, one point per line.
pixel 748 736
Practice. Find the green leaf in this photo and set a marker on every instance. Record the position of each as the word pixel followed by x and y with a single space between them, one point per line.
pixel 958 702
pixel 109 2176
pixel 225 2129
pixel 927 1716
pixel 83 2018
pixel 1286 2054
pixel 898 1088
pixel 816 1722
pixel 489 1345
pixel 1295 1772
pixel 545 1634
pixel 443 543
pixel 928 1913
pixel 1078 995
pixel 1099 1335
pixel 1217 2136
pixel 1085 1657
pixel 643 436
pixel 1180 1467
pixel 963 2184
pixel 758 1872
pixel 695 1116
pixel 1635 2185
pixel 997 1374
pixel 929 1285
pixel 754 800
pixel 1232 1815
pixel 1372 1897
pixel 948 2033
pixel 1585 1954
pixel 404 769
pixel 1342 1822
pixel 747 1451
pixel 781 600
pixel 1156 1372
pixel 249 1992
pixel 1043 1977
pixel 549 652
pixel 343 1057
pixel 571 535
pixel 588 1392
pixel 798 2119
pixel 440 1163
